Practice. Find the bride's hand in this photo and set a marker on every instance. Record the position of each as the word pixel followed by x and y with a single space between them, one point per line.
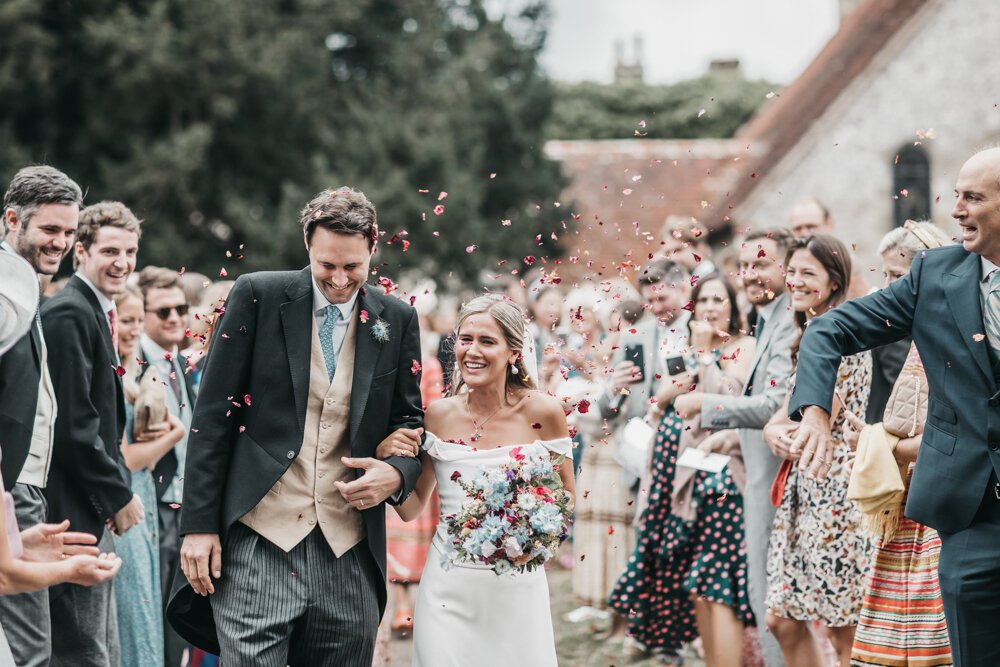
pixel 401 442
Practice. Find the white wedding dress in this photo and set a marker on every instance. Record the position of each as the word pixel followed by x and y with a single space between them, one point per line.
pixel 467 616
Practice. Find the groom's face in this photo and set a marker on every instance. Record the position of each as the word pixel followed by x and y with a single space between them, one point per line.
pixel 339 263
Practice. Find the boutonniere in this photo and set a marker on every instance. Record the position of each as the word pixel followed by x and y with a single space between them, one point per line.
pixel 380 330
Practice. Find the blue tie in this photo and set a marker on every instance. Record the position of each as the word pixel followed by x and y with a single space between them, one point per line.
pixel 326 340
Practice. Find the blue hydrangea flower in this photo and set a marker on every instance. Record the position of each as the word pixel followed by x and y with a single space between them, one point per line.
pixel 547 519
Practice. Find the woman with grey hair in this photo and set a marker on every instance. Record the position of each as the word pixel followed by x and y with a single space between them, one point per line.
pixel 897 249
pixel 902 619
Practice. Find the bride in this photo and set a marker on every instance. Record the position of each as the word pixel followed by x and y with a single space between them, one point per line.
pixel 465 613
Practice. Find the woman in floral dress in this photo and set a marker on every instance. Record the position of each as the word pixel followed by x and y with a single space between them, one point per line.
pixel 818 557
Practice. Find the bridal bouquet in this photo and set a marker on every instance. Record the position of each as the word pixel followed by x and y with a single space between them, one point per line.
pixel 516 516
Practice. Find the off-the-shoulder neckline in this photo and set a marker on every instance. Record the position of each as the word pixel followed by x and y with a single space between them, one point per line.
pixel 488 449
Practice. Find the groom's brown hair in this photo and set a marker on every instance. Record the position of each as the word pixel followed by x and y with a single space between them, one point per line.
pixel 341 210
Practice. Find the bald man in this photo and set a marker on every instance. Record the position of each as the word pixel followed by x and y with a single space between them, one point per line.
pixel 809 216
pixel 949 303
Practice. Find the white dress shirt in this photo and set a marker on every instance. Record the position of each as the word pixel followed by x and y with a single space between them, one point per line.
pixel 320 302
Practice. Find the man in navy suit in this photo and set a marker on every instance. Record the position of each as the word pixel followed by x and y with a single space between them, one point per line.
pixel 950 304
pixel 86 481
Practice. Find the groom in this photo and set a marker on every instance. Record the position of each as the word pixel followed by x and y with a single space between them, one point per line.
pixel 283 517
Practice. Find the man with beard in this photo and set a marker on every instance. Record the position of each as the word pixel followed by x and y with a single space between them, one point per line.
pixel 40 217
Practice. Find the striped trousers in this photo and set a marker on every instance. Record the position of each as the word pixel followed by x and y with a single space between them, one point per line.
pixel 303 607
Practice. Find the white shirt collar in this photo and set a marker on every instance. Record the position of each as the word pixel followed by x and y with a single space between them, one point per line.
pixel 988 267
pixel 107 305
pixel 153 351
pixel 320 302
pixel 767 310
pixel 7 247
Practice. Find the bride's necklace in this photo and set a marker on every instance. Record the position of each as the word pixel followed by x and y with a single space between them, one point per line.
pixel 477 427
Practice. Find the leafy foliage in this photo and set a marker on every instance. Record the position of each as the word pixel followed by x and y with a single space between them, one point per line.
pixel 714 105
pixel 216 121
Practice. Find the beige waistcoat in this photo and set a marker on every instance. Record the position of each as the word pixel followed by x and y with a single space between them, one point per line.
pixel 305 494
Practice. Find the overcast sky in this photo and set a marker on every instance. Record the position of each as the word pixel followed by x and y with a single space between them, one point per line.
pixel 773 39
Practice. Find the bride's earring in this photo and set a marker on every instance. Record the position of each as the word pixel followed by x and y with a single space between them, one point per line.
pixel 513 367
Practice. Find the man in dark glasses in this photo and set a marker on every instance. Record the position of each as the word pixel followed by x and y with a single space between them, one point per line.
pixel 163 332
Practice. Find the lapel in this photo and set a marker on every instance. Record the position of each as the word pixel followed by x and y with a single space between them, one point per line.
pixel 366 353
pixel 780 305
pixel 103 329
pixel 296 314
pixel 961 290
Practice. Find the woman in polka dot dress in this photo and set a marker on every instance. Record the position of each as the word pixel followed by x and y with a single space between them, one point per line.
pixel 653 594
pixel 703 545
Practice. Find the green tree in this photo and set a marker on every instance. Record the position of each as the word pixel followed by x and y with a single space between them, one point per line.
pixel 714 105
pixel 216 121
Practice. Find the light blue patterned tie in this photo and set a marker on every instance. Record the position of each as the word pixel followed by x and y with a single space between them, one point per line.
pixel 991 312
pixel 326 340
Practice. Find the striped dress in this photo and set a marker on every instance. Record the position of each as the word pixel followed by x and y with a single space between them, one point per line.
pixel 902 621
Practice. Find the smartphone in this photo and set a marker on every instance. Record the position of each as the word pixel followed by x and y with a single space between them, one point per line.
pixel 635 354
pixel 676 366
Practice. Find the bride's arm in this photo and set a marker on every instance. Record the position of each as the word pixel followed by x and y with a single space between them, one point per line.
pixel 548 413
pixel 415 503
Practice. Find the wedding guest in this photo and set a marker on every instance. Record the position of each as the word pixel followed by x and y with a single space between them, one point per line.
pixel 704 548
pixel 684 240
pixel 138 595
pixel 545 302
pixel 902 617
pixel 40 217
pixel 86 482
pixel 762 270
pixel 818 556
pixel 159 348
pixel 602 530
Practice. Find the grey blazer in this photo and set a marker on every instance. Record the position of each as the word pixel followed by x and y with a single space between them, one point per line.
pixel 765 393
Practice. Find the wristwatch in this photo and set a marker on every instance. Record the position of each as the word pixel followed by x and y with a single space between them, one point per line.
pixel 707 359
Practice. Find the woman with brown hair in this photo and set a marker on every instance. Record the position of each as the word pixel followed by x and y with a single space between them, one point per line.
pixel 818 555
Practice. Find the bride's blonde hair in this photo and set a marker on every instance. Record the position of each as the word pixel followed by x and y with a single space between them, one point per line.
pixel 510 318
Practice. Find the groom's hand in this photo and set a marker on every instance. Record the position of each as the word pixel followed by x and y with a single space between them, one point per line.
pixel 201 554
pixel 379 481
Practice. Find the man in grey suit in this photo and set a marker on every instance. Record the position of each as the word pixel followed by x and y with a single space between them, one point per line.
pixel 762 259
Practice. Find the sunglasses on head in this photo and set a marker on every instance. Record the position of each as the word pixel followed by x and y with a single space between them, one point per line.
pixel 164 313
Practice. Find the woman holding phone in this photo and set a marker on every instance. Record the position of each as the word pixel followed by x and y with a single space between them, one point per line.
pixel 818 555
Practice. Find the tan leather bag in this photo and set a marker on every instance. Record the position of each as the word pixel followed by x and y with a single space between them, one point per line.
pixel 150 404
pixel 906 410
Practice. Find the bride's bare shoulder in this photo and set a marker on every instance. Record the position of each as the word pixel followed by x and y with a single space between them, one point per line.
pixel 545 413
pixel 440 411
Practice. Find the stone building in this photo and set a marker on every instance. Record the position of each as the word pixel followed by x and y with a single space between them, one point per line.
pixel 879 124
pixel 876 127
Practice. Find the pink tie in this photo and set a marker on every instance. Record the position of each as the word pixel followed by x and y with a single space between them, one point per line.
pixel 113 321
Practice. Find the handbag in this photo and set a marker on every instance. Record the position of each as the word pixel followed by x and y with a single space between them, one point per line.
pixel 634 444
pixel 906 410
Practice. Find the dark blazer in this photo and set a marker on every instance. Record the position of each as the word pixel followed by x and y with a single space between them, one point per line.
pixel 238 449
pixel 20 369
pixel 166 468
pixel 20 375
pixel 86 483
pixel 938 303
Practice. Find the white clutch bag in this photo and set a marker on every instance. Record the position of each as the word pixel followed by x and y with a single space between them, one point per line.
pixel 634 444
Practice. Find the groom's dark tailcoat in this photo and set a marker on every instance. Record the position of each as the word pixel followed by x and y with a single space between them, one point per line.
pixel 249 419
pixel 938 302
